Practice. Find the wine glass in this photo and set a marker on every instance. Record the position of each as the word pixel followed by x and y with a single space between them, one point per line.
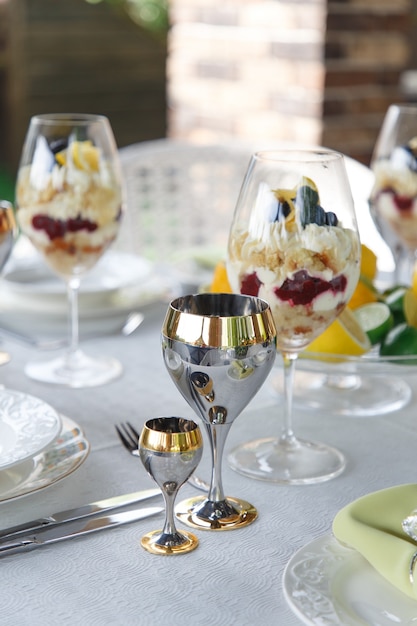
pixel 294 242
pixel 393 199
pixel 69 204
pixel 170 449
pixel 8 234
pixel 218 349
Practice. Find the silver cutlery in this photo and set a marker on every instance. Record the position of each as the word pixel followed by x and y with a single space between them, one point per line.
pixel 133 321
pixel 69 530
pixel 129 437
pixel 86 510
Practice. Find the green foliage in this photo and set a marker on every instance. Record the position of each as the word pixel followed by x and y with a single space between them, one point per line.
pixel 152 15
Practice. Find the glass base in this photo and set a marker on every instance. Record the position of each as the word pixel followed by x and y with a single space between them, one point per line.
pixel 156 542
pixel 293 463
pixel 347 395
pixel 79 371
pixel 229 514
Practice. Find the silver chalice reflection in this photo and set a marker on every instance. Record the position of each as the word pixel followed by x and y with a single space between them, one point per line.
pixel 170 448
pixel 218 349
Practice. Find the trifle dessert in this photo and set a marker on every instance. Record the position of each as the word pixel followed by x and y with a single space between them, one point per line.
pixel 394 195
pixel 69 204
pixel 297 257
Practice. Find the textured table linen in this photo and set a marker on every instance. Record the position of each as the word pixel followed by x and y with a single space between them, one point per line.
pixel 234 577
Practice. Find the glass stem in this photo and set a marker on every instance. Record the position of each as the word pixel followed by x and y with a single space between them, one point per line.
pixel 169 525
pixel 217 436
pixel 287 434
pixel 73 287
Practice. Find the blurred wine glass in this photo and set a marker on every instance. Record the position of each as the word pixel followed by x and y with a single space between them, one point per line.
pixel 69 204
pixel 393 200
pixel 8 234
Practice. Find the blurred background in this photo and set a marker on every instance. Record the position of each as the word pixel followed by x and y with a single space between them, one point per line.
pixel 313 71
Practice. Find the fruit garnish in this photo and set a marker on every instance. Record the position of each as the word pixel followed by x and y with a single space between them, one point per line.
pixel 410 307
pixel 220 282
pixel 395 300
pixel 364 293
pixel 306 197
pixel 82 154
pixel 400 341
pixel 375 319
pixel 344 336
pixel 303 288
pixel 369 262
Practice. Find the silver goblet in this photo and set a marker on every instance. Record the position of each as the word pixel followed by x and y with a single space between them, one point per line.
pixel 218 349
pixel 170 448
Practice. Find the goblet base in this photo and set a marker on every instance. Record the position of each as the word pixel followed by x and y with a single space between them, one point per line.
pixel 294 462
pixel 229 514
pixel 158 542
pixel 324 393
pixel 83 371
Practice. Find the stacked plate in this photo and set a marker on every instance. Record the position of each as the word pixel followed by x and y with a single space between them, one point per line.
pixel 38 446
pixel 118 284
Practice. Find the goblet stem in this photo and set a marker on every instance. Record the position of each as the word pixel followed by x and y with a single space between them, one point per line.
pixel 73 288
pixel 217 437
pixel 287 435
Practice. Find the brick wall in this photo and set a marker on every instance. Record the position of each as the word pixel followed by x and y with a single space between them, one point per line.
pixel 312 71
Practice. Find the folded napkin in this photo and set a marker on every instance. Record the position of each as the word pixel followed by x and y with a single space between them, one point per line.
pixel 372 525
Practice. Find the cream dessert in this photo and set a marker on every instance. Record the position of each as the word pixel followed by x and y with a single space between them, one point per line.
pixel 298 258
pixel 69 205
pixel 394 194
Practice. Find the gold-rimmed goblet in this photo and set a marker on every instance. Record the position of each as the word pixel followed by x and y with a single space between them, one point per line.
pixel 69 205
pixel 294 242
pixel 170 449
pixel 218 349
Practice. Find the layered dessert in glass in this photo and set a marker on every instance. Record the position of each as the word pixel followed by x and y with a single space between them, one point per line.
pixel 299 258
pixel 69 203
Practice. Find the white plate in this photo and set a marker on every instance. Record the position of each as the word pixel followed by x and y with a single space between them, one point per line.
pixel 27 426
pixel 328 584
pixel 60 459
pixel 115 270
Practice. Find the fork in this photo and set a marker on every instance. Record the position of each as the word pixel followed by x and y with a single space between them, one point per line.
pixel 129 437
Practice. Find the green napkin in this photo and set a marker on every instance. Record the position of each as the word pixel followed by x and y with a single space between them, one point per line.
pixel 372 525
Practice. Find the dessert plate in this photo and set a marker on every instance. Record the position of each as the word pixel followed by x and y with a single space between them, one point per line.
pixel 115 270
pixel 28 425
pixel 61 458
pixel 328 583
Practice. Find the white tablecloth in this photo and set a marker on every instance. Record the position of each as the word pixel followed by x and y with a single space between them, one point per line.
pixel 234 577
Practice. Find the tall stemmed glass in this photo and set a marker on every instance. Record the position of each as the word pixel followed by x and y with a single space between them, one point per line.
pixel 69 201
pixel 8 234
pixel 218 349
pixel 294 242
pixel 393 200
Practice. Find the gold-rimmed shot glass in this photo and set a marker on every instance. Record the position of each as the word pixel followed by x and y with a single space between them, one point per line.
pixel 170 449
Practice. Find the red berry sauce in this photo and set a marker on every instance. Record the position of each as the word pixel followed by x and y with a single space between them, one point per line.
pixel 303 288
pixel 250 285
pixel 58 228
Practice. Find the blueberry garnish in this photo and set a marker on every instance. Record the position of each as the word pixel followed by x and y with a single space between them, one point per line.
pixel 57 145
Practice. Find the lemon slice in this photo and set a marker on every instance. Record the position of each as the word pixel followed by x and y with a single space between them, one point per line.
pixel 410 307
pixel 364 293
pixel 344 336
pixel 220 282
pixel 368 262
pixel 82 153
pixel 375 319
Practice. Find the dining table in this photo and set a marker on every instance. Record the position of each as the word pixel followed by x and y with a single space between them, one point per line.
pixel 234 576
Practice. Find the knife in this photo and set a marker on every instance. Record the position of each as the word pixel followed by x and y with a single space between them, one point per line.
pixel 68 530
pixel 78 513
